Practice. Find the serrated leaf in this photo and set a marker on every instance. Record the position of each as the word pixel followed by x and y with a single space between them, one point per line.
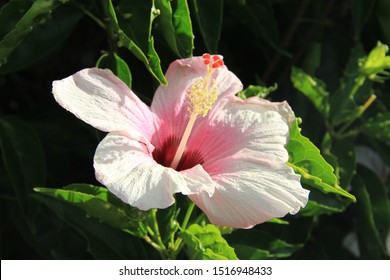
pixel 313 88
pixel 98 203
pixel 305 158
pixel 258 91
pixel 206 243
pixel 117 65
pixel 23 158
pixel 175 24
pixel 378 127
pixel 373 214
pixel 209 15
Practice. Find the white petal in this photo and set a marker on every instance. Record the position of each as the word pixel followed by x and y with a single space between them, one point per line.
pixel 102 100
pixel 128 170
pixel 251 192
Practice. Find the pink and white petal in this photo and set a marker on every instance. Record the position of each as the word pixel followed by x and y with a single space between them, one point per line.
pixel 254 124
pixel 252 192
pixel 102 100
pixel 170 101
pixel 126 168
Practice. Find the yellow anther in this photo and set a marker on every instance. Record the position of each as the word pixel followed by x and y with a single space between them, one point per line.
pixel 202 96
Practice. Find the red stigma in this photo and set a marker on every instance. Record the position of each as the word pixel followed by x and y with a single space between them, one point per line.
pixel 215 60
pixel 206 58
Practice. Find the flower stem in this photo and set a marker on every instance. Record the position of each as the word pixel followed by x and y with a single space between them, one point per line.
pixel 190 208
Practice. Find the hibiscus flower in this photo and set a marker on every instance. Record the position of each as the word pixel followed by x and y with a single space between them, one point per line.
pixel 197 138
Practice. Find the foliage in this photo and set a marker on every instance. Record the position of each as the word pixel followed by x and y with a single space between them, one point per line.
pixel 328 59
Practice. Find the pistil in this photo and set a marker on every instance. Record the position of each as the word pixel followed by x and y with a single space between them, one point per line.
pixel 201 97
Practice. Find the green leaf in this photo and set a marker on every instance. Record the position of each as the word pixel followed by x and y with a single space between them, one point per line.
pixel 376 65
pixel 312 88
pixel 117 65
pixel 258 244
pixel 305 158
pixel 132 24
pixel 23 158
pixel 321 203
pixel 209 15
pixel 206 243
pixel 37 33
pixel 246 252
pixel 378 127
pixel 103 241
pixel 342 103
pixel 175 24
pixel 99 203
pixel 373 214
pixel 258 91
pixel 344 151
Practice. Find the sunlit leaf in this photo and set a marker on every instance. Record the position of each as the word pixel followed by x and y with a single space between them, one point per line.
pixel 258 91
pixel 206 243
pixel 312 88
pixel 306 160
pixel 132 24
pixel 117 65
pixel 175 24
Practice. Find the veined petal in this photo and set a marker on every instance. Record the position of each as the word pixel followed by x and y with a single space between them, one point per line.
pixel 170 102
pixel 102 100
pixel 126 168
pixel 254 124
pixel 252 191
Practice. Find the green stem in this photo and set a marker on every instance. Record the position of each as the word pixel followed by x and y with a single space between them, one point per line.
pixel 89 14
pixel 362 109
pixel 111 23
pixel 187 217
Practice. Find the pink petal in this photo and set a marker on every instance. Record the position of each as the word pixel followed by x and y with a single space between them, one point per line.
pixel 256 125
pixel 252 191
pixel 126 168
pixel 102 100
pixel 170 102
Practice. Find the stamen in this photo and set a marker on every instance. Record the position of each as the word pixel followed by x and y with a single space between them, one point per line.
pixel 201 97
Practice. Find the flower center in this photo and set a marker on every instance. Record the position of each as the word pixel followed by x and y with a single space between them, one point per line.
pixel 164 155
pixel 201 97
